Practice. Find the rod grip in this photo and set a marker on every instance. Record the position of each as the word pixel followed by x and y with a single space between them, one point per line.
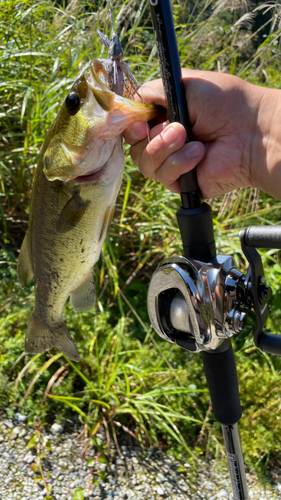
pixel 222 380
pixel 197 232
pixel 263 236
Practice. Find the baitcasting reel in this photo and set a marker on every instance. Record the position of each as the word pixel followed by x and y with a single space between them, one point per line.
pixel 198 305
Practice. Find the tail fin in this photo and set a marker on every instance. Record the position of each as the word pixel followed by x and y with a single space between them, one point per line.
pixel 40 338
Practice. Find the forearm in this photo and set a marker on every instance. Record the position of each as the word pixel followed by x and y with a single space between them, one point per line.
pixel 266 156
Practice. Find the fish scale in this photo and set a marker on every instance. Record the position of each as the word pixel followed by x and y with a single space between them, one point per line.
pixel 77 180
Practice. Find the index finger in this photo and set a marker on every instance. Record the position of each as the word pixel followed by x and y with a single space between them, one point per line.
pixel 136 132
pixel 152 93
pixel 149 93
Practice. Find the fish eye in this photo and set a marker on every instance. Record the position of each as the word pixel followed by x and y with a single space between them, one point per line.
pixel 72 103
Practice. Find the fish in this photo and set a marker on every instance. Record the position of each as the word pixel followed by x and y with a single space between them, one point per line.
pixel 76 183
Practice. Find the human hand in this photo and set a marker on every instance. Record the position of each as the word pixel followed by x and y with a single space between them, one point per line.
pixel 231 121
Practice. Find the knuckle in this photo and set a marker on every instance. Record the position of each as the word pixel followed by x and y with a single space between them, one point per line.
pixel 156 147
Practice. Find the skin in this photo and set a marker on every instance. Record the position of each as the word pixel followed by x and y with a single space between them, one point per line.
pixel 236 136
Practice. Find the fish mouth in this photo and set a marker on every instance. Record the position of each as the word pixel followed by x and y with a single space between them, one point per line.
pixel 92 177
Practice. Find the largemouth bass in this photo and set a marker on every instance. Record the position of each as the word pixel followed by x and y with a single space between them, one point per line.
pixel 76 183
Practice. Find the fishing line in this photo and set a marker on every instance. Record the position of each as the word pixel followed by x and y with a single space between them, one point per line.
pixel 131 88
pixel 152 169
pixel 131 79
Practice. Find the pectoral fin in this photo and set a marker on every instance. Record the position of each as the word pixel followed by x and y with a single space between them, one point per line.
pixel 25 273
pixel 72 213
pixel 84 297
pixel 106 222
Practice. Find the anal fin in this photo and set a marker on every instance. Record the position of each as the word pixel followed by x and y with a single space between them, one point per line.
pixel 84 297
pixel 25 272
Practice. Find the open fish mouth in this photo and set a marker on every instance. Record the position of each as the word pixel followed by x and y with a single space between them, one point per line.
pixel 91 177
pixel 94 118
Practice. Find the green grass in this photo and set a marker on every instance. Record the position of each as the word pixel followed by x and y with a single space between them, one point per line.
pixel 128 377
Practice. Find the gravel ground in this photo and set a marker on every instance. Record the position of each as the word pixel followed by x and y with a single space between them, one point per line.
pixel 68 462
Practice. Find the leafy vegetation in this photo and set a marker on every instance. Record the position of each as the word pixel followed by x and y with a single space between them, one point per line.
pixel 128 378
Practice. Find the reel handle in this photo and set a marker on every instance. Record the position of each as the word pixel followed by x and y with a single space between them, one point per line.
pixel 270 343
pixel 261 237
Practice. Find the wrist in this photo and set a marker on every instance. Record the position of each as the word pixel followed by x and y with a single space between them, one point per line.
pixel 266 142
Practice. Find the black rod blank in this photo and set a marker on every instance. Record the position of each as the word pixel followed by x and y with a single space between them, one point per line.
pixel 165 36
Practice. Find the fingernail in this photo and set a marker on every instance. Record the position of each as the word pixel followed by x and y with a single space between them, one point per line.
pixel 169 135
pixel 193 151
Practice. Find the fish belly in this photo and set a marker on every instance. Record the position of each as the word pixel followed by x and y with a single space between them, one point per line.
pixel 67 231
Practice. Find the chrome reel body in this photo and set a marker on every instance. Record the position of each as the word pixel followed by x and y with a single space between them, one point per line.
pixel 197 305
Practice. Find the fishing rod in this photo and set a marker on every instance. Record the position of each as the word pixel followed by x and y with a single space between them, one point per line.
pixel 199 300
